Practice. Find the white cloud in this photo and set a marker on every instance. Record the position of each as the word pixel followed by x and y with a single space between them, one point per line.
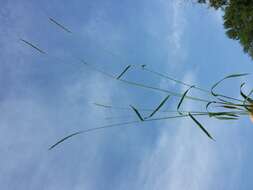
pixel 178 24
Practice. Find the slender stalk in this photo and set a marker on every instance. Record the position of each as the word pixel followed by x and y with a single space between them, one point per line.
pixel 186 84
pixel 141 109
pixel 144 68
pixel 120 125
pixel 91 67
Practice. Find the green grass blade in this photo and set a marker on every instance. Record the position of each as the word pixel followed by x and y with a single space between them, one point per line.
pixel 65 138
pixel 33 46
pixel 90 130
pixel 159 106
pixel 123 72
pixel 230 107
pixel 102 105
pixel 227 77
pixel 227 118
pixel 216 114
pixel 246 98
pixel 137 113
pixel 182 98
pixel 59 25
pixel 221 113
pixel 200 126
pixel 220 81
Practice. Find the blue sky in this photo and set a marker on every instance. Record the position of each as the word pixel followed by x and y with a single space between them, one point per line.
pixel 44 98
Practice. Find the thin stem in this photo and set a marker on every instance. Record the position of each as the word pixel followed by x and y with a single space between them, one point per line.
pixel 91 67
pixel 145 69
pixel 120 125
pixel 141 109
pixel 183 83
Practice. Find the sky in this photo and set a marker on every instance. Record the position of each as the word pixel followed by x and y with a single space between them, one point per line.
pixel 47 97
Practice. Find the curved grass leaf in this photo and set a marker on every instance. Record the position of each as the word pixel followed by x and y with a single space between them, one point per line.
pixel 246 98
pixel 182 98
pixel 220 81
pixel 90 130
pixel 200 126
pixel 219 114
pixel 137 113
pixel 159 106
pixel 33 46
pixel 227 77
pixel 65 138
pixel 59 25
pixel 123 72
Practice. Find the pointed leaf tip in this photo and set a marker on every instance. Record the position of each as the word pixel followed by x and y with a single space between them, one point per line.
pixel 201 126
pixel 182 98
pixel 123 72
pixel 137 113
pixel 159 106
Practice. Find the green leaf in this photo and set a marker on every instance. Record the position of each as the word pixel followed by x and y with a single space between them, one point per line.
pixel 227 77
pixel 227 118
pixel 246 98
pixel 65 138
pixel 92 130
pixel 59 25
pixel 159 106
pixel 182 98
pixel 123 72
pixel 33 46
pixel 137 113
pixel 214 114
pixel 230 107
pixel 102 105
pixel 200 126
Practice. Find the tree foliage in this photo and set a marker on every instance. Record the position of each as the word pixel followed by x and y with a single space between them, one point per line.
pixel 238 20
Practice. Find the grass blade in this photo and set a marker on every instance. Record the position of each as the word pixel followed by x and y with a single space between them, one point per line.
pixel 182 98
pixel 200 126
pixel 65 138
pixel 226 118
pixel 230 107
pixel 123 72
pixel 218 115
pixel 246 98
pixel 33 46
pixel 159 106
pixel 102 105
pixel 227 77
pixel 137 113
pixel 59 25
pixel 90 130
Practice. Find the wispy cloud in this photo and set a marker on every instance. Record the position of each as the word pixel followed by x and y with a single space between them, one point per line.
pixel 178 24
